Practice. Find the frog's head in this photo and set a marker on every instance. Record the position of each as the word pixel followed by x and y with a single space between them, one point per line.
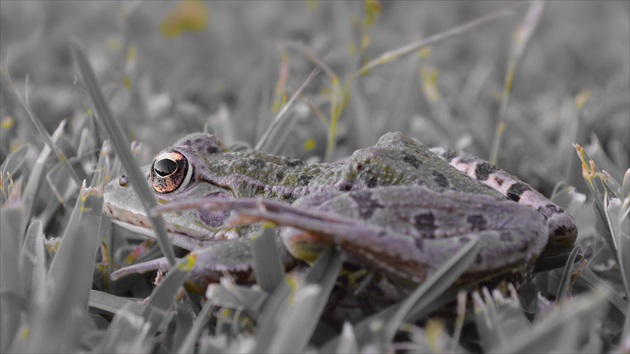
pixel 175 174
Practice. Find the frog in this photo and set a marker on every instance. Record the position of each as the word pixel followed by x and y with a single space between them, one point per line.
pixel 397 208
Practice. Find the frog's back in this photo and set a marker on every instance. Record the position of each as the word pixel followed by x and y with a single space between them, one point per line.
pixel 399 160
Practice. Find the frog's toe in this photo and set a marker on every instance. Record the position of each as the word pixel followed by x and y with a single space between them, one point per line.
pixel 160 264
pixel 304 245
pixel 226 235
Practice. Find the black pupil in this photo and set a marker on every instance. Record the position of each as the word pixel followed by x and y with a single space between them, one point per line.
pixel 165 167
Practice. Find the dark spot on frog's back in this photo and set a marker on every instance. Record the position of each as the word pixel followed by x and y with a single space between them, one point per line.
pixel 516 190
pixel 212 149
pixel 450 154
pixel 425 222
pixel 419 244
pixel 279 175
pixel 293 162
pixel 411 160
pixel 371 183
pixel 477 222
pixel 344 185
pixel 367 204
pixel 553 209
pixel 440 179
pixel 484 170
pixel 257 163
pixel 304 179
pixel 564 231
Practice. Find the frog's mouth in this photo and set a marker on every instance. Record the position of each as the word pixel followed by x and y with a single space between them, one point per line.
pixel 139 223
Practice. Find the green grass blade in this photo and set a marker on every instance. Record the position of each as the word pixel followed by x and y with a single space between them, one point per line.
pixel 163 296
pixel 14 161
pixel 76 172
pixel 121 144
pixel 392 55
pixel 554 258
pixel 347 340
pixel 566 274
pixel 429 296
pixel 10 282
pixel 35 179
pixel 32 267
pixel 183 325
pixel 188 344
pixel 273 326
pixel 110 303
pixel 276 124
pixel 301 316
pixel 433 287
pixel 522 35
pixel 55 324
pixel 560 329
pixel 620 305
pixel 234 296
pixel 128 333
pixel 156 311
pixel 618 222
pixel 267 263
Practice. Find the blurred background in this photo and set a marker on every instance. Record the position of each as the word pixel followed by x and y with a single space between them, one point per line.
pixel 174 67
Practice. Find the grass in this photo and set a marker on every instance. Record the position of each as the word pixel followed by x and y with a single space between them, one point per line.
pixel 164 70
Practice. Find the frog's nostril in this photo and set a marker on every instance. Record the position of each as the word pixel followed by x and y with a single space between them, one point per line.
pixel 123 181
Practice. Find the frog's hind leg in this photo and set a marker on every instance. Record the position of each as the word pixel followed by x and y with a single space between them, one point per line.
pixel 562 229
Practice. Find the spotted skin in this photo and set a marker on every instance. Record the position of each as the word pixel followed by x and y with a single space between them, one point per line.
pixel 215 172
pixel 562 229
pixel 396 207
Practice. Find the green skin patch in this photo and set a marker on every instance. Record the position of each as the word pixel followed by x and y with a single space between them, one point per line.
pixel 397 207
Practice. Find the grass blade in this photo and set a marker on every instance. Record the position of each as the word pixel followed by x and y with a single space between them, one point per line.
pixel 183 325
pixel 56 324
pixel 121 144
pixel 521 37
pixel 76 172
pixel 112 304
pixel 282 330
pixel 275 125
pixel 35 179
pixel 14 161
pixel 188 344
pixel 267 264
pixel 9 278
pixel 560 329
pixel 392 55
pixel 433 287
pixel 429 293
pixel 32 267
pixel 163 296
pixel 128 333
pixel 566 274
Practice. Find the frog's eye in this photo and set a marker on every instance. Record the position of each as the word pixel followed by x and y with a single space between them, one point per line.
pixel 169 172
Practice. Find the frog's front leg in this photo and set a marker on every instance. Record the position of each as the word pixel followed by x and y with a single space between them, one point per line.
pixel 232 257
pixel 562 229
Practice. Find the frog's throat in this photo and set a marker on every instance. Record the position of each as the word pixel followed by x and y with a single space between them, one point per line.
pixel 140 224
pixel 180 240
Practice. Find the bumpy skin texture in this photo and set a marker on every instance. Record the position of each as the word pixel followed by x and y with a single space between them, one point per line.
pixel 395 160
pixel 448 198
